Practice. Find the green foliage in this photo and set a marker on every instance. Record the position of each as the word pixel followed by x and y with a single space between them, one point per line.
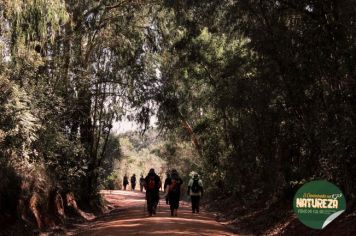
pixel 244 89
pixel 139 155
pixel 18 124
pixel 68 70
pixel 162 152
pixel 36 19
pixel 108 173
pixel 264 87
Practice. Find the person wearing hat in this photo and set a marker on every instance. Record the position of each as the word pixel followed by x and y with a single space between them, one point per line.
pixel 152 184
pixel 195 191
pixel 174 189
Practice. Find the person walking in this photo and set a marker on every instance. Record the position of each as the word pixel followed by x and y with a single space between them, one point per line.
pixel 152 183
pixel 165 187
pixel 125 181
pixel 174 190
pixel 142 182
pixel 133 182
pixel 195 191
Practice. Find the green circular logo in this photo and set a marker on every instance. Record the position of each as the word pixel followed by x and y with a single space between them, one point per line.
pixel 317 203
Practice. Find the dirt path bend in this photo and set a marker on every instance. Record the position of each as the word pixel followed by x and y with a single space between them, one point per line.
pixel 130 219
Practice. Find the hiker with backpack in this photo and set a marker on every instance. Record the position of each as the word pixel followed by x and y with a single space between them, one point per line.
pixel 133 182
pixel 174 189
pixel 165 186
pixel 142 183
pixel 152 184
pixel 125 181
pixel 195 191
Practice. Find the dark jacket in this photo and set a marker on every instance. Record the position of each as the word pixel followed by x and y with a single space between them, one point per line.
pixel 133 180
pixel 142 181
pixel 166 182
pixel 125 181
pixel 174 184
pixel 157 182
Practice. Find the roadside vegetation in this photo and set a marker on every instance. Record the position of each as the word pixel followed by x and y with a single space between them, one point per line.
pixel 257 96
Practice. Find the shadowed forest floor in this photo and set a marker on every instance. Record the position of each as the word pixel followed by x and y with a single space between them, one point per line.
pixel 130 218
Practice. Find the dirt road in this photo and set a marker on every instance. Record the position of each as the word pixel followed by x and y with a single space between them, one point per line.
pixel 130 219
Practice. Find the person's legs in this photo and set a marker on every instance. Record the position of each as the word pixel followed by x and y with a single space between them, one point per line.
pixel 193 203
pixel 172 210
pixel 154 209
pixel 149 203
pixel 171 207
pixel 174 203
pixel 167 200
pixel 197 205
pixel 193 200
pixel 155 202
pixel 171 203
pixel 149 207
pixel 177 204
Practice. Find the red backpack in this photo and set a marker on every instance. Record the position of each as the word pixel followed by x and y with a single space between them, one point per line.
pixel 151 182
pixel 173 187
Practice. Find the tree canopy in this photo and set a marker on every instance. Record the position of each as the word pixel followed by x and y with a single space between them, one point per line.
pixel 261 93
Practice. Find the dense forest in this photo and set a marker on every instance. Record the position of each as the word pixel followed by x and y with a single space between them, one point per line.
pixel 257 96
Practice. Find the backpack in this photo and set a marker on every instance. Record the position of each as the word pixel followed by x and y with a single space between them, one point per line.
pixel 151 183
pixel 195 186
pixel 173 187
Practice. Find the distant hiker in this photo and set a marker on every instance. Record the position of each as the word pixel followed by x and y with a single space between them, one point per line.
pixel 152 183
pixel 133 182
pixel 174 189
pixel 165 187
pixel 125 181
pixel 195 191
pixel 142 183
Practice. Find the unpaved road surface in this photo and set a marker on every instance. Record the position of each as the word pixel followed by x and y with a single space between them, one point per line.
pixel 130 218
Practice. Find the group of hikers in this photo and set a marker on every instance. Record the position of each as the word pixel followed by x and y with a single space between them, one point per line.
pixel 133 182
pixel 172 188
